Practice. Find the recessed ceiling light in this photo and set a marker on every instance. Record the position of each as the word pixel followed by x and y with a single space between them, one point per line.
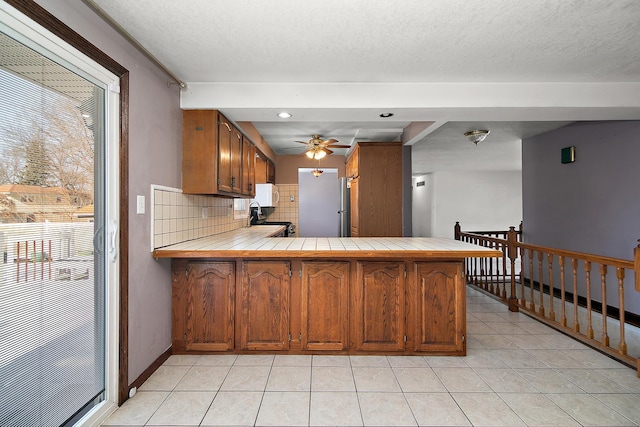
pixel 284 115
pixel 386 115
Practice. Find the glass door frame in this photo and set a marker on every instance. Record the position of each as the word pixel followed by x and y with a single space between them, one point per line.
pixel 15 20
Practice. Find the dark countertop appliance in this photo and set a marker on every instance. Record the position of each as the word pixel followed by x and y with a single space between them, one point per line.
pixel 257 219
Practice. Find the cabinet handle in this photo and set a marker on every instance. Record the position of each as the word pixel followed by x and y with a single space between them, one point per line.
pixel 227 125
pixel 233 181
pixel 250 186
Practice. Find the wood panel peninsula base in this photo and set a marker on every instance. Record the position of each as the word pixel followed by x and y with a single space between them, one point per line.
pixel 243 292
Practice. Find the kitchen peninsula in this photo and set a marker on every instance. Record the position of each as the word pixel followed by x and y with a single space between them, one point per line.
pixel 244 291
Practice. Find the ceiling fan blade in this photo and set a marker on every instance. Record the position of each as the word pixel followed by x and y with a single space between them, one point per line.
pixel 301 142
pixel 331 141
pixel 326 150
pixel 340 146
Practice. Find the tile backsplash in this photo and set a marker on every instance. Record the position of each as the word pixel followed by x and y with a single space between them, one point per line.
pixel 287 209
pixel 178 217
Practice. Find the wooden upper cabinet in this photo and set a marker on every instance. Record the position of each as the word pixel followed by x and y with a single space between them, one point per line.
pixel 440 308
pixel 352 166
pixel 200 151
pixel 210 306
pixel 377 208
pixel 379 299
pixel 325 305
pixel 264 300
pixel 271 172
pixel 248 168
pixel 216 157
pixel 236 161
pixel 261 167
pixel 225 138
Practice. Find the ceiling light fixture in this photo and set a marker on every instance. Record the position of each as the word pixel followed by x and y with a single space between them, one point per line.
pixel 317 171
pixel 284 115
pixel 477 135
pixel 316 153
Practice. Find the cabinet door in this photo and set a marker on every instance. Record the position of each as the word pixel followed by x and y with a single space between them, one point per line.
pixel 248 167
pixel 210 306
pixel 379 306
pixel 325 305
pixel 354 211
pixel 264 298
pixel 440 307
pixel 224 162
pixel 271 172
pixel 261 167
pixel 352 166
pixel 200 151
pixel 236 161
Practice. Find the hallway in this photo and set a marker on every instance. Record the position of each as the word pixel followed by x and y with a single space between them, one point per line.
pixel 517 372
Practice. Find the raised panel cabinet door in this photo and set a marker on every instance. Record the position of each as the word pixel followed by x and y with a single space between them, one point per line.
pixel 236 161
pixel 264 323
pixel 210 306
pixel 379 300
pixel 248 167
pixel 200 151
pixel 325 305
pixel 271 172
pixel 440 307
pixel 224 155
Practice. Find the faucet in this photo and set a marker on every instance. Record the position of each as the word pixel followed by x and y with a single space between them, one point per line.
pixel 259 211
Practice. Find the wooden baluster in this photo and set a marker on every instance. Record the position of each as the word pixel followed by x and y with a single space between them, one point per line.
pixel 574 272
pixel 552 310
pixel 494 283
pixel 622 346
pixel 587 272
pixel 513 254
pixel 504 271
pixel 563 313
pixel 532 304
pixel 603 286
pixel 531 276
pixel 541 287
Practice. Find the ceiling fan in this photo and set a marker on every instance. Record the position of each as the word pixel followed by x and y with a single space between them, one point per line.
pixel 318 148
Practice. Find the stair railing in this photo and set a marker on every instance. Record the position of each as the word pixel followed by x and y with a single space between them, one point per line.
pixel 574 292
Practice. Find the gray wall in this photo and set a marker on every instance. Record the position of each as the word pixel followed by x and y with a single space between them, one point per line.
pixel 154 157
pixel 592 205
pixel 478 200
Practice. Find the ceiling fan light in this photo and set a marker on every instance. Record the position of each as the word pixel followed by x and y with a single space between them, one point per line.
pixel 320 155
pixel 310 154
pixel 477 135
pixel 317 172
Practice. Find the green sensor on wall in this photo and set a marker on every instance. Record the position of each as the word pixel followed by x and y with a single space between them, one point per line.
pixel 568 154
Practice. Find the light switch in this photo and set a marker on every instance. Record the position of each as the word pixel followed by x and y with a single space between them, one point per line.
pixel 140 208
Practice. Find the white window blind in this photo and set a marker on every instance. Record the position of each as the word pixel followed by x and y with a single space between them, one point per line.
pixel 52 287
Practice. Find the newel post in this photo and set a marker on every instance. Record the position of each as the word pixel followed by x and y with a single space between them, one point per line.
pixel 456 231
pixel 512 238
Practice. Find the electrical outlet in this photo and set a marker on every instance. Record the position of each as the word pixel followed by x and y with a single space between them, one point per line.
pixel 292 198
pixel 140 205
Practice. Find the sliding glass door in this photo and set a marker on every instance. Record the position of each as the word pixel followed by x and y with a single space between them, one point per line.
pixel 57 249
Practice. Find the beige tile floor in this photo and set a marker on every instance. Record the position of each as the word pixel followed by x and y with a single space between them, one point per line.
pixel 517 372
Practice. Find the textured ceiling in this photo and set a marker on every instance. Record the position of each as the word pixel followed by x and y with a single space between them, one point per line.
pixel 499 62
